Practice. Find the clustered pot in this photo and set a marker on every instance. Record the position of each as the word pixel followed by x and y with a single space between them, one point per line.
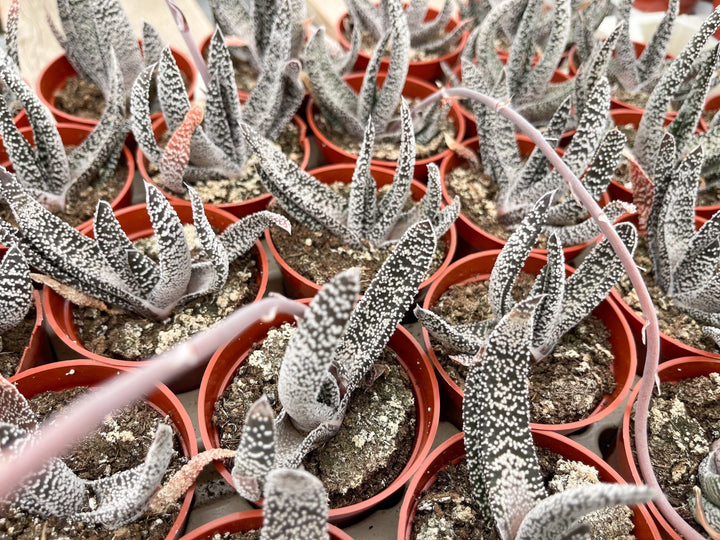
pixel 414 88
pixel 477 267
pixel 38 351
pixel 226 361
pixel 73 373
pixel 136 224
pixel 452 451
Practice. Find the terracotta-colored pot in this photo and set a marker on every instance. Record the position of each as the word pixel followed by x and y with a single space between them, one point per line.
pixel 427 70
pixel 686 6
pixel 414 88
pixel 297 285
pixel 452 451
pixel 37 352
pixel 73 373
pixel 226 361
pixel 241 208
pixel 472 234
pixel 73 135
pixel 54 76
pixel 673 371
pixel 239 522
pixel 711 104
pixel 477 267
pixel 136 223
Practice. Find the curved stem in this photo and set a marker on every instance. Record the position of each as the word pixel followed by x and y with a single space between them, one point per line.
pixel 652 330
pixel 59 432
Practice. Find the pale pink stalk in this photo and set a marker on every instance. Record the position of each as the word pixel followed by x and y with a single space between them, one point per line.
pixel 192 46
pixel 60 432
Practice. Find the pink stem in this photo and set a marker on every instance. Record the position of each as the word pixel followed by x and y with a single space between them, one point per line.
pixel 651 326
pixel 60 432
pixel 192 46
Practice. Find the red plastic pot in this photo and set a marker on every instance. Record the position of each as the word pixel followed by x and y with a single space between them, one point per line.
pixel 414 88
pixel 136 223
pixel 54 76
pixel 711 104
pixel 477 267
pixel 686 6
pixel 37 352
pixel 240 522
pixel 297 285
pixel 471 233
pixel 226 361
pixel 73 373
pixel 74 135
pixel 241 208
pixel 427 70
pixel 673 371
pixel 452 451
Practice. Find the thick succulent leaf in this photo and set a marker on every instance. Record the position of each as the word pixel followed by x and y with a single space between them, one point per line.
pixel 289 100
pixel 502 464
pixel 554 48
pixel 714 334
pixel 305 371
pixel 11 31
pixel 710 478
pixel 465 338
pixel 123 497
pixel 523 49
pixel 239 237
pixel 116 33
pixel 256 452
pixel 420 31
pixel 174 259
pixel 595 68
pixel 367 16
pixel 551 284
pixel 344 63
pixel 572 235
pixel 171 91
pixel 652 58
pixel 552 516
pixel 625 65
pixel 152 44
pixel 212 245
pixel 513 255
pixel 700 258
pixel 367 99
pixel 485 53
pixel 337 100
pixel 19 150
pixel 440 44
pixel 140 116
pixel 362 203
pixel 176 155
pixel 295 507
pixel 385 302
pixel 14 408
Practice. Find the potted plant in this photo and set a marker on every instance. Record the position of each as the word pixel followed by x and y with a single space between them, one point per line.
pixel 463 306
pixel 353 339
pixel 366 225
pixel 111 270
pixel 506 491
pixel 345 105
pixel 8 35
pixel 217 159
pixel 121 492
pixel 436 36
pixel 75 85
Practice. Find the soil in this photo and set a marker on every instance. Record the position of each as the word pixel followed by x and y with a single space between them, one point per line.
pixel 709 192
pixel 639 99
pixel 248 185
pixel 673 321
pixel 319 256
pixel 374 442
pixel 14 342
pixel 448 509
pixel 121 442
pixel 630 131
pixel 248 535
pixel 80 205
pixel 128 336
pixel 622 173
pixel 684 421
pixel 387 151
pixel 566 386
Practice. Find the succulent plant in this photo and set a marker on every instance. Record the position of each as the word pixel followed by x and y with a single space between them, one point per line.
pixel 429 37
pixel 93 31
pixel 565 302
pixel 9 53
pixel 16 290
pixel 503 465
pixel 586 18
pixel 111 269
pixel 593 153
pixel 334 346
pixel 214 139
pixel 349 112
pixel 705 502
pixel 56 491
pixel 364 217
pixel 47 170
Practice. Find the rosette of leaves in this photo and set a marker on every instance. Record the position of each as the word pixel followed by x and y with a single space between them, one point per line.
pixel 56 491
pixel 364 217
pixel 333 348
pixel 16 291
pixel 46 170
pixel 565 303
pixel 94 29
pixel 705 502
pixel 349 112
pixel 502 462
pixel 593 155
pixel 429 37
pixel 111 269
pixel 684 260
pixel 214 140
